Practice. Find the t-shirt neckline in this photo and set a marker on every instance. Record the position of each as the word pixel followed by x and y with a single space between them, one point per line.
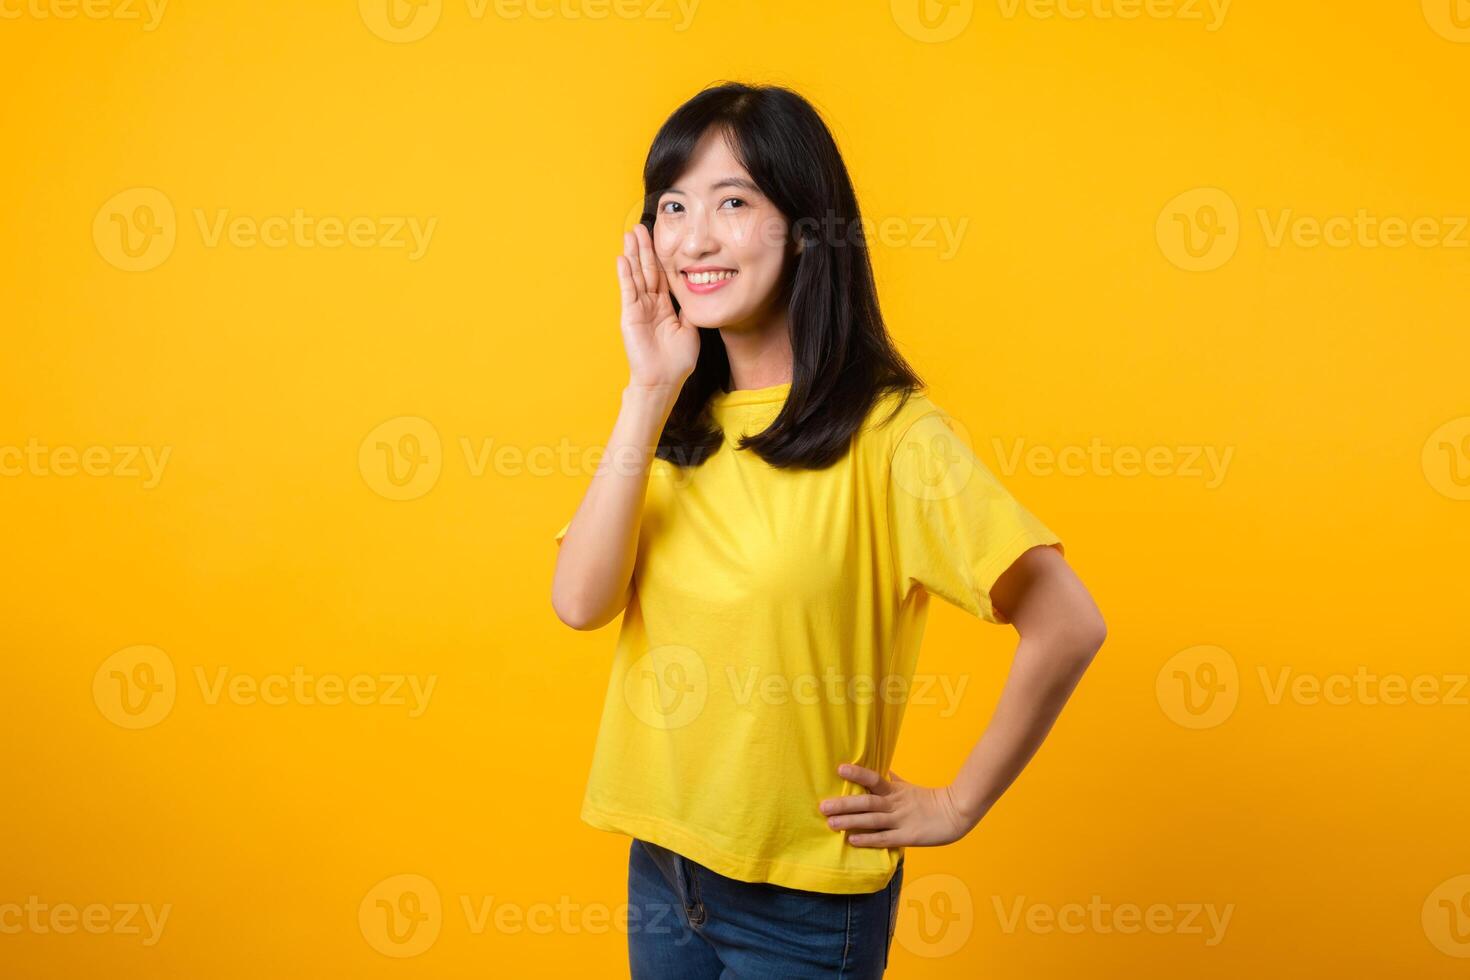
pixel 753 396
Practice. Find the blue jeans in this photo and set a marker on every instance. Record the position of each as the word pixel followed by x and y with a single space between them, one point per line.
pixel 686 922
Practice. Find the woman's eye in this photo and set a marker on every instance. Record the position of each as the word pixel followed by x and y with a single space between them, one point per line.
pixel 735 200
pixel 670 204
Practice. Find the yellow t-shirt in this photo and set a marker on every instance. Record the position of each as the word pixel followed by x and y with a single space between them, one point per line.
pixel 774 629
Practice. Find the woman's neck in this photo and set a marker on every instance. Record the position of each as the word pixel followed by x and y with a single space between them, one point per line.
pixel 759 356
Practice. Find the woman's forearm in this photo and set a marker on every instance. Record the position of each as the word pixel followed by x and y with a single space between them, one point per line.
pixel 594 567
pixel 1045 671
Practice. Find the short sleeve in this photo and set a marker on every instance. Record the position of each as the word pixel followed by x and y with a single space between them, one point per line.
pixel 563 532
pixel 954 527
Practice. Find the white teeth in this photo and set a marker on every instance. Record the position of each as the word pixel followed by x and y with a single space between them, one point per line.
pixel 704 278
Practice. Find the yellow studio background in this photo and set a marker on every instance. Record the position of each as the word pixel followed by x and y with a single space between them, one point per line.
pixel 310 326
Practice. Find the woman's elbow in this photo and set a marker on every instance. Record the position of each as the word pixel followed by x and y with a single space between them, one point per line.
pixel 1089 633
pixel 1076 637
pixel 569 605
pixel 574 613
pixel 578 621
pixel 581 612
pixel 1100 636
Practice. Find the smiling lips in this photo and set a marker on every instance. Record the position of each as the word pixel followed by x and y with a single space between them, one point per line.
pixel 707 280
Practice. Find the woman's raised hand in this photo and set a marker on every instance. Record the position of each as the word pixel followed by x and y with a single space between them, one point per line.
pixel 662 345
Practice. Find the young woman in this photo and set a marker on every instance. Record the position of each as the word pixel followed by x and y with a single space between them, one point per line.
pixel 777 502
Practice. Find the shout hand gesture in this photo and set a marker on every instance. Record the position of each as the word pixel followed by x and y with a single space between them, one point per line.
pixel 662 345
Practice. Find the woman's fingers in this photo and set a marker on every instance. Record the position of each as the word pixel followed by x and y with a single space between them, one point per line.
pixel 635 266
pixel 652 275
pixel 630 252
pixel 863 777
pixel 873 820
pixel 854 804
pixel 625 282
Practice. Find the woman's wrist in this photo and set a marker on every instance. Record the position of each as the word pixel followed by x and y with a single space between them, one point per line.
pixel 971 804
pixel 655 398
pixel 640 422
pixel 662 389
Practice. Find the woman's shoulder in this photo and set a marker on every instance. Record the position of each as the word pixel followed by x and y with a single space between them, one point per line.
pixel 894 411
pixel 895 415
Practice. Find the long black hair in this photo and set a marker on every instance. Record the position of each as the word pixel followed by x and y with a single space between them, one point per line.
pixel 843 359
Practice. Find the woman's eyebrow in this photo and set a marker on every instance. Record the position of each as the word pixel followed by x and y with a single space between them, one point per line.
pixel 739 182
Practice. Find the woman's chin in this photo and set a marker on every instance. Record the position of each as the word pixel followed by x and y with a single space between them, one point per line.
pixel 708 313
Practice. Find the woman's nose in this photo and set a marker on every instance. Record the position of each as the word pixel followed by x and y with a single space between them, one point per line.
pixel 695 240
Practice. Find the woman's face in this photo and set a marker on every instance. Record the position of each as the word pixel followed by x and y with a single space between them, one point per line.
pixel 722 243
